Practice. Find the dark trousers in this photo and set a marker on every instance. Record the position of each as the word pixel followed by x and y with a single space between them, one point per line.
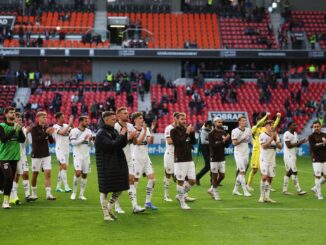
pixel 1 181
pixel 207 167
pixel 8 169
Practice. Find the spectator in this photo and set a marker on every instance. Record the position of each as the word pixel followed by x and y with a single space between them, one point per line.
pixel 93 110
pixel 298 97
pixel 285 81
pixel 84 109
pixel 74 110
pixel 39 41
pixel 74 98
pixel 304 84
pixel 80 76
pixel 130 100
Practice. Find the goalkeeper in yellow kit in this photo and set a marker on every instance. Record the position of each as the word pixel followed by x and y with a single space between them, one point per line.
pixel 256 131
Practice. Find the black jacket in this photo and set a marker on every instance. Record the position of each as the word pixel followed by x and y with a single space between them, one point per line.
pixel 112 167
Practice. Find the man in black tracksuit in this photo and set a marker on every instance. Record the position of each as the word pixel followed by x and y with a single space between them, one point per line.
pixel 183 138
pixel 206 129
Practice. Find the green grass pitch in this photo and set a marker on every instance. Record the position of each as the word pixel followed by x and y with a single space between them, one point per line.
pixel 234 220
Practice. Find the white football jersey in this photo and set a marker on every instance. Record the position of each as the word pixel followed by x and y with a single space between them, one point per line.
pixel 140 151
pixel 81 147
pixel 61 141
pixel 293 138
pixel 130 129
pixel 243 148
pixel 267 155
pixel 23 155
pixel 167 131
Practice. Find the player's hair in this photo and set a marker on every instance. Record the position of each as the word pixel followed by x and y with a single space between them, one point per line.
pixel 268 122
pixel 120 109
pixel 316 122
pixel 58 115
pixel 180 114
pixel 41 114
pixel 208 123
pixel 241 117
pixel 9 108
pixel 175 114
pixel 82 118
pixel 290 123
pixel 107 114
pixel 18 114
pixel 135 115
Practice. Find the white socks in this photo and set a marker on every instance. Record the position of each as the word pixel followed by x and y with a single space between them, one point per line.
pixel 296 182
pixel 48 191
pixel 14 190
pixel 237 184
pixel 104 204
pixel 262 189
pixel 62 178
pixel 286 183
pixel 26 188
pixel 318 186
pixel 83 184
pixel 166 186
pixel 181 193
pixel 149 189
pixel 187 186
pixel 242 181
pixel 267 190
pixel 75 185
pixel 59 182
pixel 34 194
pixel 133 196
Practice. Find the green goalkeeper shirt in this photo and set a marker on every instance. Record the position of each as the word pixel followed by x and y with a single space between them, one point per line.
pixel 9 142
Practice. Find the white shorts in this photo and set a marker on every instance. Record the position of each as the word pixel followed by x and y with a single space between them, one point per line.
pixel 63 157
pixel 267 169
pixel 218 167
pixel 131 168
pixel 319 168
pixel 44 163
pixel 168 162
pixel 290 163
pixel 183 169
pixel 22 166
pixel 241 162
pixel 82 165
pixel 142 165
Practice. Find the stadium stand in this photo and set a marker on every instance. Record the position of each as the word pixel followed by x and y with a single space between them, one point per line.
pixel 300 111
pixel 7 93
pixel 172 30
pixel 311 22
pixel 243 34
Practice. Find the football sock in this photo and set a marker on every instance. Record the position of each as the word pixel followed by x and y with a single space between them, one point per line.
pixel 74 187
pixel 59 180
pixel 286 183
pixel 14 190
pixel 149 189
pixel 26 187
pixel 243 182
pixel 83 184
pixel 166 186
pixel 132 195
pixel 48 191
pixel 104 203
pixel 262 189
pixel 181 192
pixel 318 186
pixel 34 191
pixel 187 186
pixel 113 199
pixel 64 178
pixel 267 189
pixel 296 182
